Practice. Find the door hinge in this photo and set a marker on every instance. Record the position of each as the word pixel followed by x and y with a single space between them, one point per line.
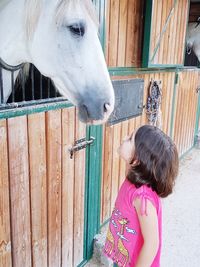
pixel 198 89
pixel 80 144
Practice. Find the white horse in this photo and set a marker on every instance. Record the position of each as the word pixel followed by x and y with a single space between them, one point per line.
pixel 60 37
pixel 193 38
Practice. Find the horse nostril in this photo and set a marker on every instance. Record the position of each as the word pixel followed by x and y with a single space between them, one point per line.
pixel 106 107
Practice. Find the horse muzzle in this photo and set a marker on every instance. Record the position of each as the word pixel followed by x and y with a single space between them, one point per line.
pixel 95 112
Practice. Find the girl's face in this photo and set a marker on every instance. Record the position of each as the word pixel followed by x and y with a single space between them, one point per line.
pixel 126 149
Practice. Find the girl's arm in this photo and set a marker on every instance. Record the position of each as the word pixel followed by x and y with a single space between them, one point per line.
pixel 150 233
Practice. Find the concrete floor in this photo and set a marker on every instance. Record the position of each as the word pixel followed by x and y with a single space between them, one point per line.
pixel 181 218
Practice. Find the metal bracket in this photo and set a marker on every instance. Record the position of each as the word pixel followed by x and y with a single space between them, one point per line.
pixel 80 144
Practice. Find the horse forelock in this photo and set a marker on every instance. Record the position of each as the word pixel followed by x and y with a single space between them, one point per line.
pixel 64 4
pixel 33 10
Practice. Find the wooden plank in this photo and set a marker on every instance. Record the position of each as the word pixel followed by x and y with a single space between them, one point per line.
pixel 158 29
pixel 38 187
pixel 138 30
pixel 19 191
pixel 107 173
pixel 130 33
pixel 190 113
pixel 68 199
pixel 168 85
pixel 54 185
pixel 107 26
pixel 122 165
pixel 161 49
pixel 171 86
pixel 115 163
pixel 170 33
pixel 178 23
pixel 113 38
pixel 5 235
pixel 122 33
pixel 181 110
pixel 185 112
pixel 193 110
pixel 79 192
pixel 194 100
pixel 154 32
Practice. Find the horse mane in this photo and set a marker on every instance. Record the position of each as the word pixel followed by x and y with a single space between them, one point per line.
pixel 33 10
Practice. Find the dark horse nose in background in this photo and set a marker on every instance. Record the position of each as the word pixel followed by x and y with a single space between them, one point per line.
pixel 93 110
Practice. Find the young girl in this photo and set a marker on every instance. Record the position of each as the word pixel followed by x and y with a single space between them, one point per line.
pixel 135 230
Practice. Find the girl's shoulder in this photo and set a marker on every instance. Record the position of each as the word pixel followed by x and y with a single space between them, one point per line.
pixel 145 193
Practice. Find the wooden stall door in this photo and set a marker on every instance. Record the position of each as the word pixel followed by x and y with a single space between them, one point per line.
pixel 165 32
pixel 186 107
pixel 42 190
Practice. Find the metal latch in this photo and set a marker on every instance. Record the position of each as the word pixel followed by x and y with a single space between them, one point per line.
pixel 80 144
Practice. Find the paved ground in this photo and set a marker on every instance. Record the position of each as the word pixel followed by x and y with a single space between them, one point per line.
pixel 181 217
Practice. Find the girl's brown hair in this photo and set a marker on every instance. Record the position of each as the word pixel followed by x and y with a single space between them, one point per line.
pixel 155 161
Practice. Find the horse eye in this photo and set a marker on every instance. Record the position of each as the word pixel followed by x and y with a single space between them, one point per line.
pixel 77 29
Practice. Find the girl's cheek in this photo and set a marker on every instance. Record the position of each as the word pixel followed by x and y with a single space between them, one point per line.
pixel 123 153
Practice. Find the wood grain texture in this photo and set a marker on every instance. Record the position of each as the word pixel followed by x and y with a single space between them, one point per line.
pixel 5 227
pixel 79 195
pixel 38 188
pixel 54 185
pixel 168 34
pixel 19 191
pixel 68 176
pixel 124 30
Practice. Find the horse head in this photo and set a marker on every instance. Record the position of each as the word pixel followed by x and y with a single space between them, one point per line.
pixel 63 43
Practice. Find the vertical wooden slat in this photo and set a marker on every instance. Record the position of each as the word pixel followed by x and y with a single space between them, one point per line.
pixel 158 29
pixel 122 33
pixel 113 38
pixel 115 163
pixel 124 132
pixel 107 172
pixel 5 235
pixel 130 33
pixel 37 159
pixel 172 78
pixel 19 191
pixel 184 137
pixel 107 22
pixel 79 192
pixel 153 21
pixel 189 113
pixel 68 198
pixel 53 121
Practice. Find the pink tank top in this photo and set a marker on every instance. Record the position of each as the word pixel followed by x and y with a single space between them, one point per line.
pixel 124 238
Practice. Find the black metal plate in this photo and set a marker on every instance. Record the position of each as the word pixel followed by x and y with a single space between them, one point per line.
pixel 128 100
